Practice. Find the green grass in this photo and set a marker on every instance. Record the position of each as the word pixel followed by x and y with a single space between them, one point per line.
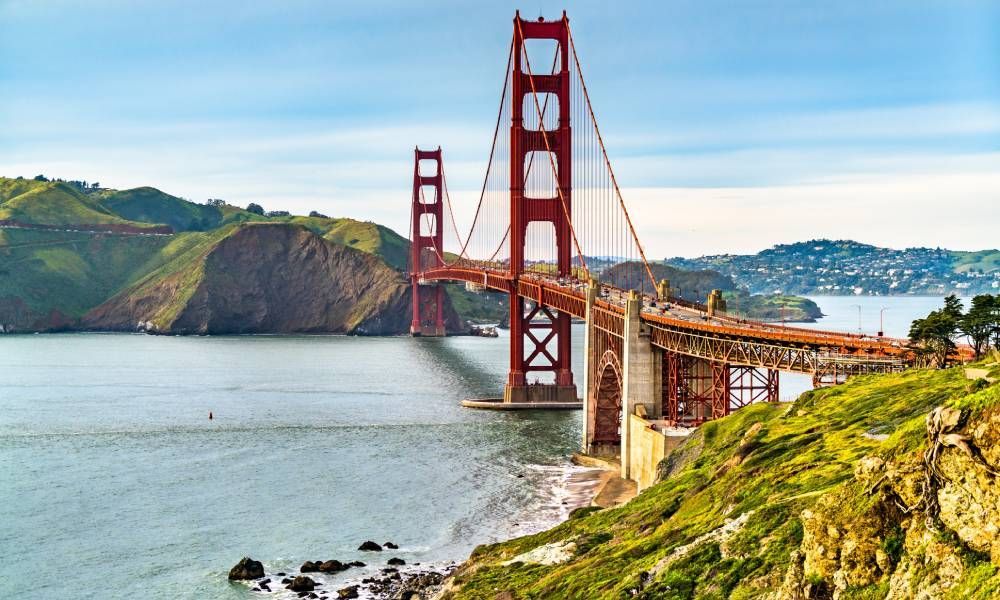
pixel 800 453
pixel 487 307
pixel 983 260
pixel 772 307
pixel 360 235
pixel 53 203
pixel 150 205
pixel 70 272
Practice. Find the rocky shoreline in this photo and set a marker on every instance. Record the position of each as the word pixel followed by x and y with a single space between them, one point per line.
pixel 315 579
pixel 394 579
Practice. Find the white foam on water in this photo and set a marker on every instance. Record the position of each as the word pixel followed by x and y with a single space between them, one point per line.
pixel 563 488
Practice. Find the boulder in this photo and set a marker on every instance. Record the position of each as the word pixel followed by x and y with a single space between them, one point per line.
pixel 396 561
pixel 332 566
pixel 348 592
pixel 309 566
pixel 302 584
pixel 370 546
pixel 390 546
pixel 247 568
pixel 356 563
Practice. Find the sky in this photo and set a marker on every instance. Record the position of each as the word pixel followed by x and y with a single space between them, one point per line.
pixel 732 126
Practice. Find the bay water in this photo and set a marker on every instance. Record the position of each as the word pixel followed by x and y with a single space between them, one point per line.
pixel 115 484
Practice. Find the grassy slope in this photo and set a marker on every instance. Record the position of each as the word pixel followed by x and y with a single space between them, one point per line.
pixel 360 235
pixel 798 454
pixel 983 260
pixel 71 272
pixel 52 203
pixel 772 307
pixel 150 205
pixel 487 307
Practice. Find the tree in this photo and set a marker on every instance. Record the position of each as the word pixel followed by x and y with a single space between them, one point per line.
pixel 256 209
pixel 41 178
pixel 320 215
pixel 953 306
pixel 982 322
pixel 217 202
pixel 278 213
pixel 933 336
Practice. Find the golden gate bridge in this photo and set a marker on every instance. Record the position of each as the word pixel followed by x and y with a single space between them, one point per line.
pixel 552 231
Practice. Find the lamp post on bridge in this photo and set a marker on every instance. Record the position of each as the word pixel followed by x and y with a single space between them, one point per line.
pixel 859 317
pixel 881 321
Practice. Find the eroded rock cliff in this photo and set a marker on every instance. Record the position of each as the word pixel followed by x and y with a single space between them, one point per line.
pixel 267 278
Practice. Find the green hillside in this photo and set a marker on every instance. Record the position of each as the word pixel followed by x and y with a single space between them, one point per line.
pixel 772 307
pixel 790 501
pixel 53 203
pixel 984 261
pixel 150 205
pixel 360 235
pixel 57 276
pixel 50 278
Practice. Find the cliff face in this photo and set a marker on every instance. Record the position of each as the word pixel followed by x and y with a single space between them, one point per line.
pixel 268 279
pixel 884 487
pixel 911 525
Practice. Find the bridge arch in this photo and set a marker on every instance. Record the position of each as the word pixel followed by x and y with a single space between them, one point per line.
pixel 608 392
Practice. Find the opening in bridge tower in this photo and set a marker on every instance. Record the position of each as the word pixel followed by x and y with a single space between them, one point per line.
pixel 426 250
pixel 539 336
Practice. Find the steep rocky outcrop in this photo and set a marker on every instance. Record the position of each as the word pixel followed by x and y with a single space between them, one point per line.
pixel 912 525
pixel 267 278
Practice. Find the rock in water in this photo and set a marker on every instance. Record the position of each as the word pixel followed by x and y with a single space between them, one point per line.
pixel 302 584
pixel 390 546
pixel 348 592
pixel 333 566
pixel 247 568
pixel 395 561
pixel 309 567
pixel 370 546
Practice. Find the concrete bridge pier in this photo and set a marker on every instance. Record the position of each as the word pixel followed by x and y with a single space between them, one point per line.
pixel 640 379
pixel 589 366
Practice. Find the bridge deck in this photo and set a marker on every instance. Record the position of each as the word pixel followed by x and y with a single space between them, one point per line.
pixel 687 328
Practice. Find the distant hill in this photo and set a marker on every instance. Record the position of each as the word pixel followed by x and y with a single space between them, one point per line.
pixel 150 205
pixel 264 277
pixel 53 203
pixel 841 267
pixel 695 285
pixel 74 256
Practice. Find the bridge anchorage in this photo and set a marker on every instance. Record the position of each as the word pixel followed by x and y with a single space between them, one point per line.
pixel 552 232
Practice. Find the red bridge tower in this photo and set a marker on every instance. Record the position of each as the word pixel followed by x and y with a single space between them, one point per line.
pixel 544 329
pixel 427 245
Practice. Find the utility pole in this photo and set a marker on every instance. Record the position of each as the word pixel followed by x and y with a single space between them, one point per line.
pixel 859 317
pixel 881 321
